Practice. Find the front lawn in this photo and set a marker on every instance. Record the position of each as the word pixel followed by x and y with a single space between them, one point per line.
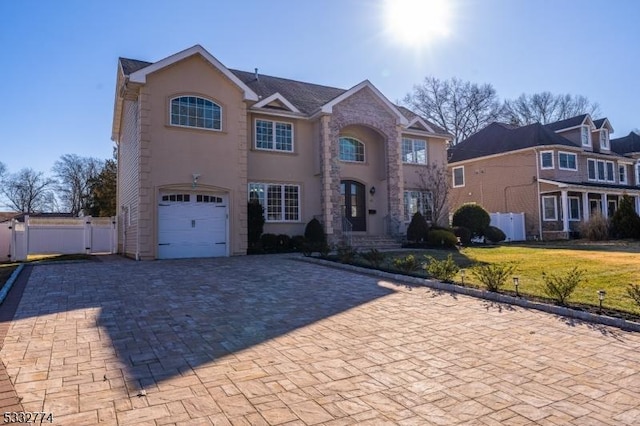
pixel 610 267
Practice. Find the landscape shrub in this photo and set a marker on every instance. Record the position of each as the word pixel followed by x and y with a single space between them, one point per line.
pixel 463 233
pixel 314 233
pixel 324 250
pixel 255 222
pixel 560 287
pixel 374 257
pixel 284 242
pixel 442 238
pixel 596 228
pixel 346 253
pixel 493 276
pixel 269 242
pixel 418 228
pixel 297 242
pixel 625 222
pixel 443 270
pixel 494 234
pixel 408 263
pixel 473 217
pixel 634 292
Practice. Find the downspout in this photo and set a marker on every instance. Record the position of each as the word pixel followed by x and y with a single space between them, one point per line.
pixel 538 195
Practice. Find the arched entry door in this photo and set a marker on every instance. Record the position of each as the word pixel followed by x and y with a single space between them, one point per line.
pixel 352 202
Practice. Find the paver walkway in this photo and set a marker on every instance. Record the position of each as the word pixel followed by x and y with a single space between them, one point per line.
pixel 269 340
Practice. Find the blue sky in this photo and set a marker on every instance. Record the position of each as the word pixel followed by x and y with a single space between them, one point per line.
pixel 58 61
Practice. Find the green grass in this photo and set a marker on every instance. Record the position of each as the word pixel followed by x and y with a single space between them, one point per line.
pixel 609 267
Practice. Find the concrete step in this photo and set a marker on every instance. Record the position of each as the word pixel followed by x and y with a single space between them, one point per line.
pixel 367 242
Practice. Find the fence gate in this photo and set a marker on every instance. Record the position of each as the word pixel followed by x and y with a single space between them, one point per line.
pixel 512 224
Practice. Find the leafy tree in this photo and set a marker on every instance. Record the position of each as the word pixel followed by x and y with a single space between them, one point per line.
pixel 625 222
pixel 74 175
pixel 434 179
pixel 459 107
pixel 255 219
pixel 101 195
pixel 29 191
pixel 545 107
pixel 473 217
pixel 418 228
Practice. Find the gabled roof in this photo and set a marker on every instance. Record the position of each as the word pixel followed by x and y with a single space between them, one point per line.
pixel 603 123
pixel 278 99
pixel 498 138
pixel 569 123
pixel 626 144
pixel 132 65
pixel 415 119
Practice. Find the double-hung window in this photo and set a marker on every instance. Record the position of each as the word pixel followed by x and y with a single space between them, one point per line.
pixel 585 135
pixel 194 111
pixel 567 161
pixel 591 167
pixel 281 202
pixel 414 151
pixel 574 208
pixel 274 135
pixel 601 170
pixel 458 176
pixel 418 201
pixel 610 171
pixel 604 139
pixel 622 174
pixel 549 208
pixel 546 160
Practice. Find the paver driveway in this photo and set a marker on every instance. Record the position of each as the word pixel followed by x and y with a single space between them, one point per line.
pixel 270 340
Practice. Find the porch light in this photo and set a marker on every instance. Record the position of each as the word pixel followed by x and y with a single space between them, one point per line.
pixel 601 294
pixel 516 283
pixel 372 191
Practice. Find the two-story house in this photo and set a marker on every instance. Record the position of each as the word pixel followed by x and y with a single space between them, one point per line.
pixel 196 141
pixel 558 174
pixel 629 146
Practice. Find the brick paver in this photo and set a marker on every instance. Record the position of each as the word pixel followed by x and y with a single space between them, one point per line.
pixel 271 340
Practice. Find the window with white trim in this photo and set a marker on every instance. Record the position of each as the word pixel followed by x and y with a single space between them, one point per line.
pixel 574 208
pixel 622 174
pixel 549 208
pixel 638 174
pixel 281 202
pixel 194 111
pixel 610 173
pixel 585 136
pixel 274 135
pixel 414 151
pixel 604 139
pixel 458 176
pixel 418 201
pixel 601 171
pixel 591 167
pixel 567 161
pixel 546 160
pixel 352 150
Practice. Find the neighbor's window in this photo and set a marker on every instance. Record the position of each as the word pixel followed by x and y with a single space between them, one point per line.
pixel 414 151
pixel 274 135
pixel 351 150
pixel 418 201
pixel 546 160
pixel 591 167
pixel 567 161
pixel 574 208
pixel 601 170
pixel 281 202
pixel 604 139
pixel 458 176
pixel 549 208
pixel 610 174
pixel 586 136
pixel 194 111
pixel 622 174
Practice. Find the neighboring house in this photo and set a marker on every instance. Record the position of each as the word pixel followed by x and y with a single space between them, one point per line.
pixel 197 140
pixel 629 146
pixel 559 174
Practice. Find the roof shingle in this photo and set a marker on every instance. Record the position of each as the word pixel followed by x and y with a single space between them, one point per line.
pixel 626 144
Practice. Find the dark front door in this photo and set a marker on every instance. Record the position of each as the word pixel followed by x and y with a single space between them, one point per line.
pixel 352 201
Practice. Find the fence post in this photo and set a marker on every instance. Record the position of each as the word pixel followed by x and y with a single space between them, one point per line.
pixel 26 236
pixel 114 235
pixel 87 234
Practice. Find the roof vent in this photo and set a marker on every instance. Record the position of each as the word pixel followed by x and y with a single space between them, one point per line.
pixel 257 74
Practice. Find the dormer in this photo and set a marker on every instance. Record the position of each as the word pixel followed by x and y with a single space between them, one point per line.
pixel 602 131
pixel 577 129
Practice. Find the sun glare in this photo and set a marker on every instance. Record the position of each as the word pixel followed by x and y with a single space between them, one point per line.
pixel 417 23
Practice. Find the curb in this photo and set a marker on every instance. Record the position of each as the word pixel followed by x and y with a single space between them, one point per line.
pixel 9 283
pixel 487 295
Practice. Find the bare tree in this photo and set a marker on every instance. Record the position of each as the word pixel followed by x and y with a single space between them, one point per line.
pixel 459 107
pixel 74 174
pixel 545 107
pixel 434 179
pixel 29 191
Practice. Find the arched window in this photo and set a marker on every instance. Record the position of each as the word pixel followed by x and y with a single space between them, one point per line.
pixel 351 150
pixel 193 111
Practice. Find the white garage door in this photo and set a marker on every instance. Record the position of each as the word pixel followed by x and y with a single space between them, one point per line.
pixel 192 225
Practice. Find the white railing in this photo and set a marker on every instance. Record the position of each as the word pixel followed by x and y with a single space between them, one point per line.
pixel 347 231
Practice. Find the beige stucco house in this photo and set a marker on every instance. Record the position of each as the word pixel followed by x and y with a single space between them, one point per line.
pixel 197 140
pixel 558 174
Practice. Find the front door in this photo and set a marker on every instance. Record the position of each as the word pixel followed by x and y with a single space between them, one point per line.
pixel 352 202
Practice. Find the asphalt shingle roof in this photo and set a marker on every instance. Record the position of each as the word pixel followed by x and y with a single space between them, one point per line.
pixel 499 138
pixel 626 144
pixel 565 124
pixel 132 65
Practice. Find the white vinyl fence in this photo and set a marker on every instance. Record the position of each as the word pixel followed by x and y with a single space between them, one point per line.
pixel 57 236
pixel 512 224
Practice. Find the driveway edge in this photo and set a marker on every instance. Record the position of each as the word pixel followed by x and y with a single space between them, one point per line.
pixel 620 323
pixel 9 283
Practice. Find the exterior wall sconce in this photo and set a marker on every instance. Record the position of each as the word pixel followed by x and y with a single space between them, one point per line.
pixel 601 294
pixel 516 283
pixel 195 177
pixel 372 191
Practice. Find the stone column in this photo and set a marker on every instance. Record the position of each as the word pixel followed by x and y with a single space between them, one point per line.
pixel 395 182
